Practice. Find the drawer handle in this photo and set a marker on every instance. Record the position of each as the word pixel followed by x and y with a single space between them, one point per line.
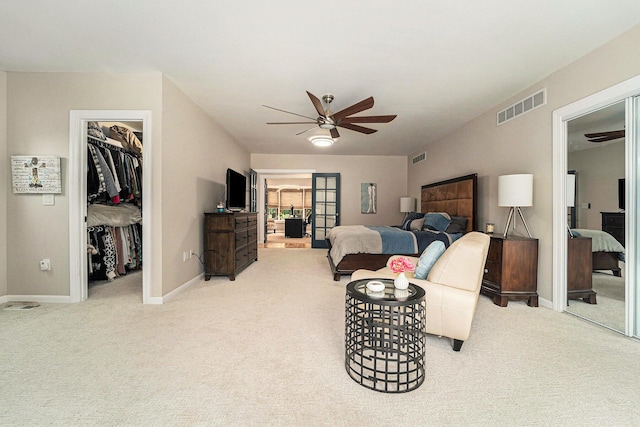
pixel 486 270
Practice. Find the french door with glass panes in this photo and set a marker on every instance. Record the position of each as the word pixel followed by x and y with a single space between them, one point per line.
pixel 325 203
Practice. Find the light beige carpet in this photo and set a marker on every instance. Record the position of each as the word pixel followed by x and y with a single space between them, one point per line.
pixel 610 297
pixel 268 350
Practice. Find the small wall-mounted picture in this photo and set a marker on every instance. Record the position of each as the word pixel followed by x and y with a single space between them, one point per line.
pixel 368 198
pixel 36 174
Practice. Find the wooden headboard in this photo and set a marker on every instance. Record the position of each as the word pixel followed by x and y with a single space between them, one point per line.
pixel 456 196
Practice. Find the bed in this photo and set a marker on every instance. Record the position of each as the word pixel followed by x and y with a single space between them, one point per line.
pixel 456 197
pixel 605 249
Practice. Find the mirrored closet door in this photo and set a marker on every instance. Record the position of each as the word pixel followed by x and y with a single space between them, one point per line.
pixel 596 279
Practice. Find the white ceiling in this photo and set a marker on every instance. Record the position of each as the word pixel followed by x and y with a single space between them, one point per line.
pixel 435 64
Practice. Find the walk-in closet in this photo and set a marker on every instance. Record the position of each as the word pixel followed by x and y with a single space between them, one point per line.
pixel 114 206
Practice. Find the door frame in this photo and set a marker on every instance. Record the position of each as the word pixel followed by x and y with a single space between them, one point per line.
pixel 78 263
pixel 621 91
pixel 322 243
pixel 272 173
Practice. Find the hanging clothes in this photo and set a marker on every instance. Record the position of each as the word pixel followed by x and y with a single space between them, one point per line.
pixel 114 194
pixel 113 175
pixel 113 251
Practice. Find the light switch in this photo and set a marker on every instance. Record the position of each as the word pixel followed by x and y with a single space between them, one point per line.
pixel 48 200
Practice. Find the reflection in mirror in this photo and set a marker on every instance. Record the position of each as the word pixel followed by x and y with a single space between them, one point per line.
pixel 595 255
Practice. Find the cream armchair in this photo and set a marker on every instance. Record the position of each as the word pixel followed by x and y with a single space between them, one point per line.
pixel 451 288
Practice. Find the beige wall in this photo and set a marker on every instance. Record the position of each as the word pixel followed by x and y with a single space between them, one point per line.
pixel 190 157
pixel 4 183
pixel 597 170
pixel 196 155
pixel 388 172
pixel 38 106
pixel 524 145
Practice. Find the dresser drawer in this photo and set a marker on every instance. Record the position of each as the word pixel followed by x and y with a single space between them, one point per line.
pixel 252 251
pixel 613 220
pixel 241 238
pixel 242 258
pixel 252 235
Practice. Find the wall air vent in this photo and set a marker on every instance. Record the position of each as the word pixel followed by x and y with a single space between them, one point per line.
pixel 420 157
pixel 524 106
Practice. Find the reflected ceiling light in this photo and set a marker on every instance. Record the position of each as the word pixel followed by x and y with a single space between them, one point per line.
pixel 321 140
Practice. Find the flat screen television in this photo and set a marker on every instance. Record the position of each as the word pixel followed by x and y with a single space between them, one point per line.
pixel 236 190
pixel 621 191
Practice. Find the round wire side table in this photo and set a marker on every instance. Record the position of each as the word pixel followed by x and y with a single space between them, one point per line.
pixel 384 336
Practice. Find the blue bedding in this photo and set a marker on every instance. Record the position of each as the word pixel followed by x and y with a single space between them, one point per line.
pixel 426 237
pixel 398 241
pixel 395 240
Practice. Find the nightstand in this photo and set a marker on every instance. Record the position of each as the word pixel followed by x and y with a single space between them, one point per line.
pixel 511 271
pixel 580 270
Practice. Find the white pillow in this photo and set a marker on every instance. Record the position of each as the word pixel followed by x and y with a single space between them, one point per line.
pixel 416 224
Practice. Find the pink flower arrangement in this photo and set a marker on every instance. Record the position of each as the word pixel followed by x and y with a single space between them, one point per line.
pixel 401 264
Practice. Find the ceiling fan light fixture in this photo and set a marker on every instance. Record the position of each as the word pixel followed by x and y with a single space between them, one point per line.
pixel 321 140
pixel 326 125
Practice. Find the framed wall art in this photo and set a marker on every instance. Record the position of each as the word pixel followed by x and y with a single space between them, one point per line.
pixel 368 198
pixel 36 174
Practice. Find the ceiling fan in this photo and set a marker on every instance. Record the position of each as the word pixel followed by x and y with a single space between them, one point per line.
pixel 331 121
pixel 605 136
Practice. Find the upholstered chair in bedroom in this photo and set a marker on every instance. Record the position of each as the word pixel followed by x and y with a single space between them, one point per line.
pixel 451 287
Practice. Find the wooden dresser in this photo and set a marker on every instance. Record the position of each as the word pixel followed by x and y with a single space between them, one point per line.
pixel 613 223
pixel 511 271
pixel 230 243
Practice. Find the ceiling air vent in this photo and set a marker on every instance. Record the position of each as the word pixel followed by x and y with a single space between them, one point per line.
pixel 524 106
pixel 420 157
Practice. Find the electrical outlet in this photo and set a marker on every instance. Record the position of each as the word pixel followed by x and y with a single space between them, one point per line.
pixel 45 264
pixel 185 256
pixel 190 253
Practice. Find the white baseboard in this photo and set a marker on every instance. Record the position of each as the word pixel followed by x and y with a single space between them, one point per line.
pixel 543 302
pixel 181 288
pixel 67 298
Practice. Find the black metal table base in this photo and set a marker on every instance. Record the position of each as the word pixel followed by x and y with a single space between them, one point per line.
pixel 385 344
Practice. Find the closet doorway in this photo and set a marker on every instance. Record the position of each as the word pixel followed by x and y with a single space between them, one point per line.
pixel 269 232
pixel 627 92
pixel 79 119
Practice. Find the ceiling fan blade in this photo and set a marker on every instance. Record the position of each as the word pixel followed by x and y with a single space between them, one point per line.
pixel 608 136
pixel 602 139
pixel 355 108
pixel 299 133
pixel 316 103
pixel 334 133
pixel 289 112
pixel 368 119
pixel 290 123
pixel 357 128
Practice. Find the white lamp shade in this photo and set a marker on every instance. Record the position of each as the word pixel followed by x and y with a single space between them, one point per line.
pixel 515 190
pixel 571 190
pixel 407 204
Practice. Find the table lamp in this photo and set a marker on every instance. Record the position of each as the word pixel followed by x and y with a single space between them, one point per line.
pixel 407 204
pixel 515 191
